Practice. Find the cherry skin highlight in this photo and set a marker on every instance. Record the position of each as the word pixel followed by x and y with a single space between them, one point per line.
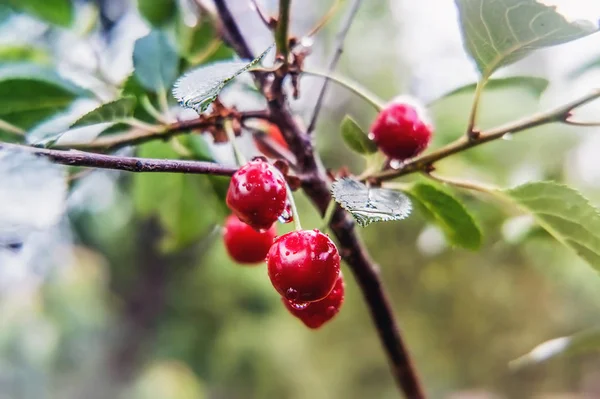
pixel 303 265
pixel 244 244
pixel 315 314
pixel 400 131
pixel 257 194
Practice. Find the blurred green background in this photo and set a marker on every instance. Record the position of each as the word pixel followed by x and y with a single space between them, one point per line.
pixel 147 303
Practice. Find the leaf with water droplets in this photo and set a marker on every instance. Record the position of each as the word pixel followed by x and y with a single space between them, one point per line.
pixel 199 88
pixel 499 33
pixel 367 204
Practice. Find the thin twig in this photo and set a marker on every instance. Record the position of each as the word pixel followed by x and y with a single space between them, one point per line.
pixel 139 136
pixel 268 21
pixel 335 57
pixel 130 164
pixel 326 18
pixel 468 185
pixel 472 131
pixel 424 162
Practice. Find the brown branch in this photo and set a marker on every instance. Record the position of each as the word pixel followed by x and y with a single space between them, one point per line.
pixel 316 186
pixel 339 48
pixel 130 164
pixel 137 136
pixel 425 162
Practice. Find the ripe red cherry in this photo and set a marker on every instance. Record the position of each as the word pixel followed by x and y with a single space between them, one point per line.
pixel 400 131
pixel 315 314
pixel 257 194
pixel 244 244
pixel 303 265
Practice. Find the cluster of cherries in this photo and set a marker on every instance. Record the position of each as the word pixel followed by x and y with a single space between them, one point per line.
pixel 304 265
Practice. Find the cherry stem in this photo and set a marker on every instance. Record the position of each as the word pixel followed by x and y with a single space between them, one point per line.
pixel 239 157
pixel 295 214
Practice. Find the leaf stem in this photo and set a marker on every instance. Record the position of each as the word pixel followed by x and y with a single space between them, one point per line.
pixel 151 110
pixel 353 87
pixel 326 18
pixel 472 131
pixel 469 185
pixel 134 122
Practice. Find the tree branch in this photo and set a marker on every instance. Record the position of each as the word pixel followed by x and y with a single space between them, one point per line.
pixel 139 136
pixel 425 162
pixel 316 186
pixel 130 164
pixel 339 45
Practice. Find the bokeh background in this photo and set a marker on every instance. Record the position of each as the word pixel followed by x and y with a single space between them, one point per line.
pixel 132 294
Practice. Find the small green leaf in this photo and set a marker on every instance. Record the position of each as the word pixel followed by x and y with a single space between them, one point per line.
pixel 199 88
pixel 356 138
pixel 112 112
pixel 535 86
pixel 368 205
pixel 155 61
pixel 565 214
pixel 157 12
pixel 450 214
pixel 587 341
pixel 499 33
pixel 57 12
pixel 30 93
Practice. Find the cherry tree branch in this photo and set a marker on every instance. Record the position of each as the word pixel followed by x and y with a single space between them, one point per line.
pixel 425 162
pixel 138 135
pixel 316 185
pixel 130 164
pixel 339 48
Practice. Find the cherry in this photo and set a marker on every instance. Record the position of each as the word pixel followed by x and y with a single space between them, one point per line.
pixel 315 314
pixel 257 194
pixel 400 131
pixel 244 244
pixel 303 265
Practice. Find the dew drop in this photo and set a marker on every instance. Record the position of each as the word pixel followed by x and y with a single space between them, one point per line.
pixel 291 294
pixel 371 136
pixel 330 311
pixel 507 136
pixel 395 164
pixel 298 305
pixel 287 215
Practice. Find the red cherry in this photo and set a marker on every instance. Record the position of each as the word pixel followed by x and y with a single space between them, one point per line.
pixel 400 131
pixel 303 265
pixel 315 314
pixel 257 194
pixel 244 244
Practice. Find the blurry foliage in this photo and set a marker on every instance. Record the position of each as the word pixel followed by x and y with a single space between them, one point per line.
pixel 219 329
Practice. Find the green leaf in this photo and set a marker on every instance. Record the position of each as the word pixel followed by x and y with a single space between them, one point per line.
pixel 367 204
pixel 30 93
pixel 112 112
pixel 155 61
pixel 565 214
pixel 157 12
pixel 587 341
pixel 185 204
pixel 535 86
pixel 197 146
pixel 499 33
pixel 450 215
pixel 356 138
pixel 57 12
pixel 199 88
